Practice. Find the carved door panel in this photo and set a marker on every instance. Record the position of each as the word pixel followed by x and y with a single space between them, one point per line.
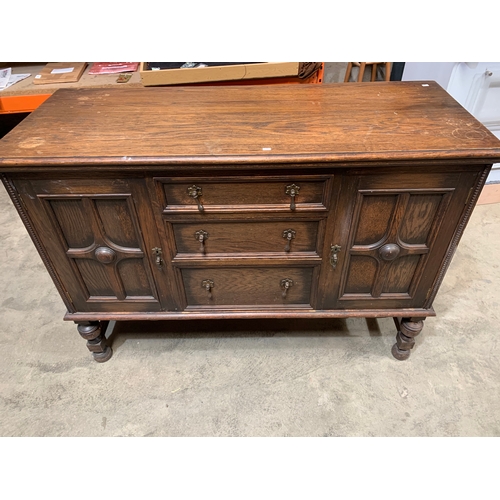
pixel 393 237
pixel 100 235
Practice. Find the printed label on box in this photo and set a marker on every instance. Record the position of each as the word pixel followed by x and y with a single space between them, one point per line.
pixel 62 70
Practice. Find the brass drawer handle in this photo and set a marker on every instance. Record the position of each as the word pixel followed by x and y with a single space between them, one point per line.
pixel 285 285
pixel 292 190
pixel 201 236
pixel 334 250
pixel 289 234
pixel 195 193
pixel 208 285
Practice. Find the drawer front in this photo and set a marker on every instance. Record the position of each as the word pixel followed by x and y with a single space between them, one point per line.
pixel 247 286
pixel 246 237
pixel 205 194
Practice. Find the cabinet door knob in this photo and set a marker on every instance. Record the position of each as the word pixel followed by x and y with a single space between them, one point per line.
pixel 285 285
pixel 105 255
pixel 334 250
pixel 195 192
pixel 208 285
pixel 201 236
pixel 292 190
pixel 390 251
pixel 289 234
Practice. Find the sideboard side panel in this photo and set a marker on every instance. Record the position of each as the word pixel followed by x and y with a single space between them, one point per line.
pixel 51 269
pixel 468 209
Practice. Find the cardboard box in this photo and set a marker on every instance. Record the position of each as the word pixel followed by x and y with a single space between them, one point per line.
pixel 60 73
pixel 217 73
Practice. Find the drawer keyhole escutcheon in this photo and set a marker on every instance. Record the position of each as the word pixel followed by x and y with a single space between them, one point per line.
pixel 334 250
pixel 292 190
pixel 201 236
pixel 157 256
pixel 195 193
pixel 208 285
pixel 285 285
pixel 289 234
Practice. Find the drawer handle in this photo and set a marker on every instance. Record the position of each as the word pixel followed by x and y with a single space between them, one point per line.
pixel 289 234
pixel 285 285
pixel 334 250
pixel 195 193
pixel 201 236
pixel 292 190
pixel 208 285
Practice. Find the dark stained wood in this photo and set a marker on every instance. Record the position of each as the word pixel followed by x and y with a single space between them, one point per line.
pixel 268 259
pixel 365 121
pixel 247 286
pixel 75 219
pixel 243 194
pixel 470 203
pixel 94 333
pixel 297 311
pixel 384 179
pixel 242 237
pixel 418 214
pixel 233 194
pixel 408 329
pixel 46 259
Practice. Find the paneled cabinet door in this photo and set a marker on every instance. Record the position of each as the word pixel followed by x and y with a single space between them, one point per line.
pixel 99 234
pixel 392 237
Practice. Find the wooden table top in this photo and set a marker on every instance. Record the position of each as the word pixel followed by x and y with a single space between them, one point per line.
pixel 352 122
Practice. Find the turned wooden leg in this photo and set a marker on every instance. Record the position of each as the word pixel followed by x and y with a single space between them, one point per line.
pixel 408 328
pixel 93 333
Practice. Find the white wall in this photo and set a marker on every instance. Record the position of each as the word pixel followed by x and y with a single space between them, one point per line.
pixel 476 86
pixel 437 71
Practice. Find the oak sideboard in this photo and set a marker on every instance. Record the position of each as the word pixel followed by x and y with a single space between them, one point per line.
pixel 282 201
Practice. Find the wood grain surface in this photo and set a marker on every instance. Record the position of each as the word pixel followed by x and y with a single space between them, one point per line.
pixel 248 286
pixel 266 124
pixel 385 177
pixel 238 237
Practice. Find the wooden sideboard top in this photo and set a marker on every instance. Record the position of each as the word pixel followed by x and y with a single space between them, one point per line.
pixel 349 123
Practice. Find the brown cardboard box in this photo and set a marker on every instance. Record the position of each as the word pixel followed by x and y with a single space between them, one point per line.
pixel 61 72
pixel 217 73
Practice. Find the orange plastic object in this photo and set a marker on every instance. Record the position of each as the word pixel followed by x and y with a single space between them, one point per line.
pixel 21 103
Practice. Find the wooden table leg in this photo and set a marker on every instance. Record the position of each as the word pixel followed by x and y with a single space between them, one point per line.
pixel 408 328
pixel 93 332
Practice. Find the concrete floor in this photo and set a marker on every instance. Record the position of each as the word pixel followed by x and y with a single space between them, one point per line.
pixel 252 378
pixel 260 378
